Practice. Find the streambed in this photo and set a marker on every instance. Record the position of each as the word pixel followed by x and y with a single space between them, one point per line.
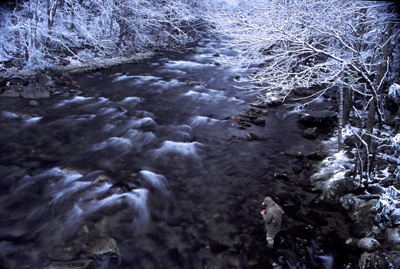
pixel 146 158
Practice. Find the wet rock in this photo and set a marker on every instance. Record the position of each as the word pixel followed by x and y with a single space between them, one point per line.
pixel 375 189
pixel 322 118
pixel 362 212
pixel 351 141
pixel 374 260
pixel 79 264
pixel 251 116
pixel 34 103
pixel 337 189
pixel 11 92
pixel 317 155
pixel 310 133
pixel 196 50
pixel 35 91
pixel 252 136
pixel 46 81
pixel 217 247
pixel 393 237
pixel 104 246
pixel 368 244
pixel 395 217
pixel 390 181
pixel 281 176
pixel 194 83
pixel 101 179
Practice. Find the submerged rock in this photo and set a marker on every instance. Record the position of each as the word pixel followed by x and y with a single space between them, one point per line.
pixel 79 264
pixel 105 246
pixel 252 136
pixel 310 133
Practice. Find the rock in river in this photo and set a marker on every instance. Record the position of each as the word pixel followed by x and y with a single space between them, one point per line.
pixel 35 91
pixel 310 133
pixel 323 118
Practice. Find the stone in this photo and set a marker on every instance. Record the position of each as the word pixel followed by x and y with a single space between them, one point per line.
pixel 195 83
pixel 395 217
pixel 368 244
pixel 46 81
pixel 393 237
pixel 198 50
pixel 351 141
pixel 251 116
pixel 322 118
pixel 317 155
pixel 101 179
pixel 374 260
pixel 252 136
pixel 35 91
pixel 78 264
pixel 281 176
pixel 34 103
pixel 104 246
pixel 217 247
pixel 11 94
pixel 310 133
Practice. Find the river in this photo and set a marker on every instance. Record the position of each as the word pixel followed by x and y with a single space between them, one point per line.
pixel 144 168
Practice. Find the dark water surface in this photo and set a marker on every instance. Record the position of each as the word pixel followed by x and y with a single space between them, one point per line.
pixel 154 162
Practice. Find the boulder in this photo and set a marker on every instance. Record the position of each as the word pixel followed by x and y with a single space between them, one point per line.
pixel 374 260
pixel 310 133
pixel 318 118
pixel 35 91
pixel 368 244
pixel 337 189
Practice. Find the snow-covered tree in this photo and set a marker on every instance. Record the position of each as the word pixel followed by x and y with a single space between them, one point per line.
pixel 41 33
pixel 319 45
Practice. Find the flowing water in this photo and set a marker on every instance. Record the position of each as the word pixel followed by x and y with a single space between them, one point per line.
pixel 149 160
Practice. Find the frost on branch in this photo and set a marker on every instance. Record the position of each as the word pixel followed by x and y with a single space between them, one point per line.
pixel 387 204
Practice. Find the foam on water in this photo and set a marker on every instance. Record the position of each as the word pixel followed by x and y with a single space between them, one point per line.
pixel 132 100
pixel 120 144
pixel 141 138
pixel 185 149
pixel 146 121
pixel 154 180
pixel 33 120
pixel 201 120
pixel 144 79
pixel 187 65
pixel 121 77
pixel 76 99
pixel 9 115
